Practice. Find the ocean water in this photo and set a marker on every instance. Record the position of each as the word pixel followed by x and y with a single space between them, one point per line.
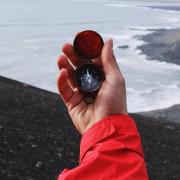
pixel 33 32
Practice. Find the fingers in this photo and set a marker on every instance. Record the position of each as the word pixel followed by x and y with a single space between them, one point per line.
pixel 71 97
pixel 108 59
pixel 63 86
pixel 63 63
pixel 68 50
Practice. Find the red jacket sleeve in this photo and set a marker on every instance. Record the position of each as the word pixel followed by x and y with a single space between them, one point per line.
pixel 110 150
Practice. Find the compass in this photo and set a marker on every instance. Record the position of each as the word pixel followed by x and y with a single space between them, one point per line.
pixel 88 46
pixel 89 78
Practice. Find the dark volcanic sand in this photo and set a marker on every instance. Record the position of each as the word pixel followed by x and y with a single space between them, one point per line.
pixel 37 137
pixel 162 45
pixel 38 140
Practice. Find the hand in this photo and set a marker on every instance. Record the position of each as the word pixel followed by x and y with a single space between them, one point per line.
pixel 111 98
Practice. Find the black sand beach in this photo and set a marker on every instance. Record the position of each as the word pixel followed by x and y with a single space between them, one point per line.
pixel 38 139
pixel 163 45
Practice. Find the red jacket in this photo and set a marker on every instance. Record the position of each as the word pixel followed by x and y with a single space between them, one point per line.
pixel 110 150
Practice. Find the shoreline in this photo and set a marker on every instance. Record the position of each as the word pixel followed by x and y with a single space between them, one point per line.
pixel 39 139
pixel 162 45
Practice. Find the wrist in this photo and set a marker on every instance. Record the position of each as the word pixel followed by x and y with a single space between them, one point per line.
pixel 92 122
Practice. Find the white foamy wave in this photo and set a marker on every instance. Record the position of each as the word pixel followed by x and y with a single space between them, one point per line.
pixel 170 19
pixel 139 62
pixel 153 98
pixel 120 5
pixel 134 57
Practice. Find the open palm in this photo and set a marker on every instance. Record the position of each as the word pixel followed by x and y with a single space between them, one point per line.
pixel 111 98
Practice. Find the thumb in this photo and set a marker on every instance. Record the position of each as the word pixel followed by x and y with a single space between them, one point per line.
pixel 108 59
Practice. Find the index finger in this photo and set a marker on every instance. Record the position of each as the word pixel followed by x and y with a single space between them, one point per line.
pixel 69 52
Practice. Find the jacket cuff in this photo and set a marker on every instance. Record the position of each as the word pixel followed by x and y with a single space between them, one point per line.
pixel 106 127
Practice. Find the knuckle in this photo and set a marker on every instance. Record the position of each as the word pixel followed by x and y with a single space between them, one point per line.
pixel 121 81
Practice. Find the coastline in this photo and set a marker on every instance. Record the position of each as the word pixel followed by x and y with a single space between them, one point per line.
pixel 39 139
pixel 162 45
